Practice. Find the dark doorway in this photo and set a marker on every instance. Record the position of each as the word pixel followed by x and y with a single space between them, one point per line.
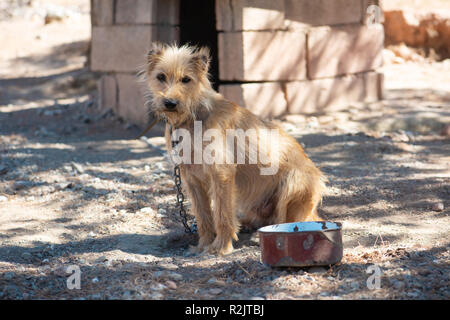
pixel 198 27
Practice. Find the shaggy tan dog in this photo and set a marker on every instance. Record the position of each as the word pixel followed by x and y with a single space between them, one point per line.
pixel 227 194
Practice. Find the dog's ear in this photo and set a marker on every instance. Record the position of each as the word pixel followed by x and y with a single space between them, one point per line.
pixel 202 58
pixel 153 54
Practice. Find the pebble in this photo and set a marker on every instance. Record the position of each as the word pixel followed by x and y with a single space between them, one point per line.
pixel 413 294
pixel 439 206
pixel 158 287
pixel 78 167
pixel 446 131
pixel 157 296
pixel 3 198
pixel 147 210
pixel 64 185
pixel 3 170
pixel 171 285
pixel 95 280
pixel 354 285
pixel 9 275
pixel 19 185
pixel 158 274
pixel 168 266
pixel 174 276
pixel 216 282
pixel 398 284
pixel 26 255
pixel 215 291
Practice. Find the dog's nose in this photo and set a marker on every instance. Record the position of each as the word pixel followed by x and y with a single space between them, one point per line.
pixel 170 103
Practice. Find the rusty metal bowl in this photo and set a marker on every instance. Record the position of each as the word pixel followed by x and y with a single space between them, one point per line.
pixel 301 244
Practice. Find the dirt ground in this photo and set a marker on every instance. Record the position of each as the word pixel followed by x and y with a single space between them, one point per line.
pixel 76 188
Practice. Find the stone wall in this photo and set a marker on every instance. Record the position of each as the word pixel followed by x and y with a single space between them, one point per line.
pixel 275 57
pixel 298 56
pixel 122 31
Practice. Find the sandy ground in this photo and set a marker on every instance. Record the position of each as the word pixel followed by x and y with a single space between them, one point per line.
pixel 76 188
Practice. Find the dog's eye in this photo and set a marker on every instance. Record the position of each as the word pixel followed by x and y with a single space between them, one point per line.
pixel 186 79
pixel 161 77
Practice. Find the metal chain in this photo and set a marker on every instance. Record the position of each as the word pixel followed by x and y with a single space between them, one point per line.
pixel 180 199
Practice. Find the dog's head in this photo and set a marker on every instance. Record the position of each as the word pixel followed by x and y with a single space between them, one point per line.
pixel 177 78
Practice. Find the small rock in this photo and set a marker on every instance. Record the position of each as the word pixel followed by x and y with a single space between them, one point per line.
pixel 26 255
pixel 171 285
pixel 64 185
pixel 216 282
pixel 3 198
pixel 215 291
pixel 95 280
pixel 174 276
pixel 158 287
pixel 157 296
pixel 439 206
pixel 19 185
pixel 101 259
pixel 168 266
pixel 78 167
pixel 446 131
pixel 413 294
pixel 354 285
pixel 147 210
pixel 9 275
pixel 3 170
pixel 158 274
pixel 398 284
pixel 162 212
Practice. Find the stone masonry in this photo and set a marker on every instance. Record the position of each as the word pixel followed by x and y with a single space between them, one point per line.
pixel 275 57
pixel 122 31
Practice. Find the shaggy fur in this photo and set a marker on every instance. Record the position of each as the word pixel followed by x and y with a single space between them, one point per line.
pixel 225 196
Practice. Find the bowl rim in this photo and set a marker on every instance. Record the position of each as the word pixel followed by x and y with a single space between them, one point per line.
pixel 302 227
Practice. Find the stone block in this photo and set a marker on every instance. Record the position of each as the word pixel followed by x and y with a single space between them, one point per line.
pixel 322 12
pixel 316 96
pixel 163 12
pixel 262 56
pixel 131 101
pixel 107 88
pixel 238 15
pixel 344 50
pixel 122 48
pixel 263 99
pixel 102 12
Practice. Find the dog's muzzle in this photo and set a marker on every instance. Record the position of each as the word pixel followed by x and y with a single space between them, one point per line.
pixel 170 104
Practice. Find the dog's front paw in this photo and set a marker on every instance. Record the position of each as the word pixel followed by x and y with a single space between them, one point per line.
pixel 220 246
pixel 203 243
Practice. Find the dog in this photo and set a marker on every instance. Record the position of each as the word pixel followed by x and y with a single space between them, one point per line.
pixel 225 196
